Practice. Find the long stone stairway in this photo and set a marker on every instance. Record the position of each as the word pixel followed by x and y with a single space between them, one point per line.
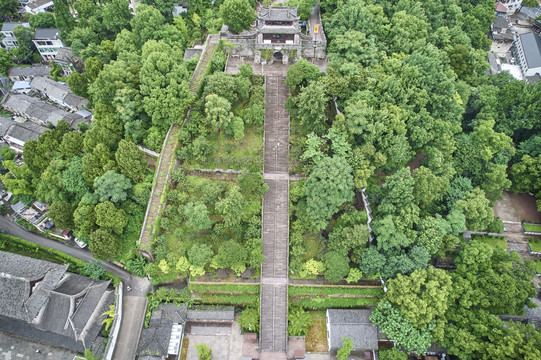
pixel 274 270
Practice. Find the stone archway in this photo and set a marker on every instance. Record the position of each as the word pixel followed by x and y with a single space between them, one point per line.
pixel 278 56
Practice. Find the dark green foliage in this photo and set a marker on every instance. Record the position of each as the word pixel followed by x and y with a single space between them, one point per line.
pixel 337 266
pixel 298 321
pixel 93 270
pixel 249 320
pixel 6 61
pixel 237 14
pixel 61 214
pixel 25 50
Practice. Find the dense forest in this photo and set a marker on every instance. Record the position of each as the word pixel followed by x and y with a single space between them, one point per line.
pixel 406 111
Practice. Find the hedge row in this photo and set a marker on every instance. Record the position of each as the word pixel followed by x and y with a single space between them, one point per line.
pixel 224 299
pixel 321 290
pixel 335 303
pixel 250 288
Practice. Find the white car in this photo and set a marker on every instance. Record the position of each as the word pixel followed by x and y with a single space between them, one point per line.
pixel 80 243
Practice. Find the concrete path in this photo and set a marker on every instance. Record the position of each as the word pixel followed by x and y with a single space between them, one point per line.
pixel 274 270
pixel 134 310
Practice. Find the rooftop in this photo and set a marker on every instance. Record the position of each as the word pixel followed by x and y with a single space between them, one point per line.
pixel 47 34
pixel 278 13
pixel 42 301
pixel 9 26
pixel 531 44
pixel 37 3
pixel 154 340
pixel 501 8
pixel 354 324
pixel 34 70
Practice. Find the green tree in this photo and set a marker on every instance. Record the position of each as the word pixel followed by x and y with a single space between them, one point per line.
pixel 301 74
pixel 237 14
pixel 421 296
pixel 232 207
pixel 200 254
pixel 104 245
pixel 203 351
pixel 63 18
pixel 85 219
pixel 43 20
pixel 71 145
pixel 8 7
pixel 391 354
pixel 345 349
pixel 110 218
pixel 328 186
pixel 249 320
pixel 337 266
pixel 197 216
pixel 19 178
pixel 310 107
pixel 298 321
pixel 78 84
pixel 93 270
pixel 24 52
pixel 6 61
pixel 130 160
pixel 400 329
pixel 116 16
pixel 112 186
pixel 218 112
pixel 73 180
pixel 476 207
pixel 232 255
pixel 61 214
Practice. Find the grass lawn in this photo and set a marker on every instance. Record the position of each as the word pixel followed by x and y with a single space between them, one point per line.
pixel 537 264
pixel 532 227
pixel 535 244
pixel 316 339
pixel 232 154
pixel 494 241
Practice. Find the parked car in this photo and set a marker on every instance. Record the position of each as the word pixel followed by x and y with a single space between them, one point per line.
pixel 80 243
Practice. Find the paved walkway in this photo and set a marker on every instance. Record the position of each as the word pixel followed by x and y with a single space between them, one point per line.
pixel 274 270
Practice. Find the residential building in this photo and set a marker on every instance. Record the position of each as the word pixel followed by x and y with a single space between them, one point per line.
pixel 58 92
pixel 8 38
pixel 502 30
pixel 501 9
pixel 353 324
pixel 40 112
pixel 42 301
pixel 38 6
pixel 527 52
pixel 511 5
pixel 27 73
pixel 17 132
pixel 69 63
pixel 48 43
pixel 278 37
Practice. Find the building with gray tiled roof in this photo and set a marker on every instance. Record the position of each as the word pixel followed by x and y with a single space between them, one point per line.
pixel 527 52
pixel 40 112
pixel 58 92
pixel 37 6
pixel 354 324
pixel 212 313
pixel 8 38
pixel 48 43
pixel 278 33
pixel 27 73
pixel 17 133
pixel 154 340
pixel 40 300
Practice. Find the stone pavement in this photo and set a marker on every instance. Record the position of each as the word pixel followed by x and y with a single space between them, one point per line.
pixel 274 270
pixel 225 347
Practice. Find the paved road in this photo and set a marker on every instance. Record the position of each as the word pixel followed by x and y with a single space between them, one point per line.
pixel 274 270
pixel 134 301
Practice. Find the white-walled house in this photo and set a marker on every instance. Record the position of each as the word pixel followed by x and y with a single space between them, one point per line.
pixel 48 43
pixel 8 38
pixel 527 52
pixel 38 6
